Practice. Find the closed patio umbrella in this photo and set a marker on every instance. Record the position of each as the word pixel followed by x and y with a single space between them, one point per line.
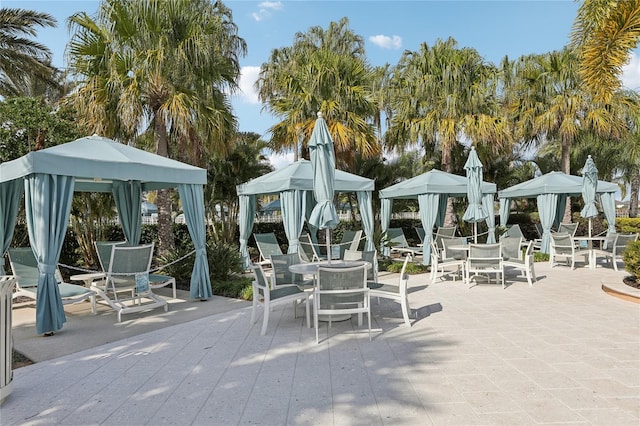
pixel 323 162
pixel 589 188
pixel 475 211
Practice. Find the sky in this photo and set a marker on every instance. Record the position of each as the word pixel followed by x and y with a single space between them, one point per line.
pixel 494 28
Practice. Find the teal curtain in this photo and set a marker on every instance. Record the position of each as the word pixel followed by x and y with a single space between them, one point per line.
pixel 310 203
pixel 487 203
pixel 385 219
pixel 10 194
pixel 366 216
pixel 608 203
pixel 245 223
pixel 546 209
pixel 293 215
pixel 442 210
pixel 128 196
pixel 429 207
pixel 504 210
pixel 192 197
pixel 559 212
pixel 48 204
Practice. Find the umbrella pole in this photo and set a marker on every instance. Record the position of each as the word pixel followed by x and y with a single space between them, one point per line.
pixel 589 227
pixel 475 232
pixel 328 240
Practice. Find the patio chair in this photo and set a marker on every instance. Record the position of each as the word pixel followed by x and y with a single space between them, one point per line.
pixel 341 291
pixel 440 263
pixel 525 263
pixel 308 252
pixel 421 234
pixel 103 249
pixel 266 297
pixel 24 267
pixel 443 232
pixel 613 252
pixel 128 272
pixel 370 256
pixel 394 292
pixel 267 245
pixel 563 247
pixel 399 242
pixel 485 259
pixel 513 231
pixel 568 228
pixel 350 241
pixel 281 276
pixel 511 247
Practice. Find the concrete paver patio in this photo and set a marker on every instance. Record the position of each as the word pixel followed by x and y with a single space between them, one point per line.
pixel 560 352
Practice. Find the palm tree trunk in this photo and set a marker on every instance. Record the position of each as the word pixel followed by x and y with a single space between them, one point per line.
pixel 166 242
pixel 635 191
pixel 448 167
pixel 566 168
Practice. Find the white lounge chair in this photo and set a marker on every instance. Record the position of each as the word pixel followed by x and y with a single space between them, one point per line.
pixel 267 245
pixel 128 272
pixel 485 259
pixel 399 242
pixel 103 249
pixel 25 269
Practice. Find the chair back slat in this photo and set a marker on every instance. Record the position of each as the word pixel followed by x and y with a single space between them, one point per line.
pixel 267 245
pixel 370 256
pixel 281 273
pixel 396 238
pixel 349 285
pixel 568 228
pixel 103 249
pixel 511 247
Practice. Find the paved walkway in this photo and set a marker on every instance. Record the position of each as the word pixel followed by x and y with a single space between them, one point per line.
pixel 560 352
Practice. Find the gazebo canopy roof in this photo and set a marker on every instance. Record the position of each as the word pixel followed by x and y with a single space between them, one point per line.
pixel 299 175
pixel 96 162
pixel 553 183
pixel 433 182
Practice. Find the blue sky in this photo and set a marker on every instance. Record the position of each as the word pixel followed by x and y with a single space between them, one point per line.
pixel 493 28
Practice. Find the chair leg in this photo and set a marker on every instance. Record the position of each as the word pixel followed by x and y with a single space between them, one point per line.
pixel 405 311
pixel 307 312
pixel 315 317
pixel 253 311
pixel 265 320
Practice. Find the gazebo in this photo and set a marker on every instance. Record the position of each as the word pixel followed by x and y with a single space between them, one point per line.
pixel 551 191
pixel 294 184
pixel 48 179
pixel 432 189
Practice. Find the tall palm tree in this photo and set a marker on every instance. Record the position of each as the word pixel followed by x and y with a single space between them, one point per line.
pixel 604 33
pixel 327 71
pixel 23 60
pixel 166 66
pixel 440 96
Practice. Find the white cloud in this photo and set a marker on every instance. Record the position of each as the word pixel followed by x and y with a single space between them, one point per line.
pixel 248 77
pixel 386 42
pixel 631 73
pixel 279 161
pixel 265 9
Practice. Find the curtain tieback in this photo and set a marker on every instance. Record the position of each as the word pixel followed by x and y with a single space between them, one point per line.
pixel 201 252
pixel 46 269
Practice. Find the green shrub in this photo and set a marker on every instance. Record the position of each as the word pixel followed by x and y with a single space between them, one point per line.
pixel 181 270
pixel 631 258
pixel 224 261
pixel 628 225
pixel 540 257
pixel 412 268
pixel 238 287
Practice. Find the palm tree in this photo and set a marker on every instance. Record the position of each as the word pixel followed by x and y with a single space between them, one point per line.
pixel 440 97
pixel 166 67
pixel 324 70
pixel 23 60
pixel 604 32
